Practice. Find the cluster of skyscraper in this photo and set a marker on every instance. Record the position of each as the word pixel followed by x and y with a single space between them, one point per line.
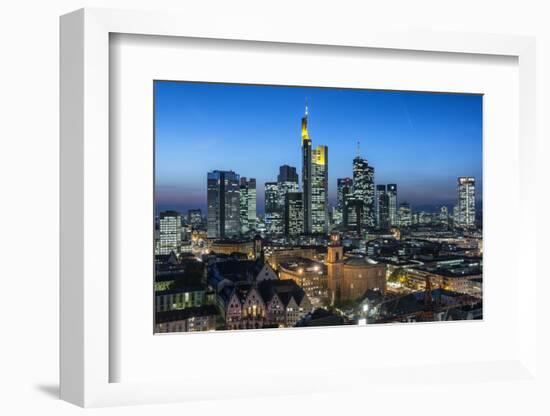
pixel 231 204
pixel 292 211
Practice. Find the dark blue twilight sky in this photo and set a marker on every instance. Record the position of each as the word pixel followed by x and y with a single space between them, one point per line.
pixel 421 141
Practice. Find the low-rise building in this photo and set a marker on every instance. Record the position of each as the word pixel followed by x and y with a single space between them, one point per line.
pixel 281 254
pixel 231 246
pixel 202 318
pixel 456 274
pixel 180 298
pixel 310 275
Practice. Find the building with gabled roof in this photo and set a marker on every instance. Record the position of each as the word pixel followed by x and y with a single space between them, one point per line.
pixel 286 301
pixel 231 271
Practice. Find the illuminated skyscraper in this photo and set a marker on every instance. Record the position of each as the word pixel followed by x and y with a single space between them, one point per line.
pixel 391 190
pixel 306 174
pixel 287 181
pixel 194 218
pixel 294 213
pixel 314 183
pixel 274 209
pixel 287 174
pixel 363 190
pixel 344 186
pixel 223 197
pixel 382 207
pixel 466 202
pixel 170 232
pixel 405 216
pixel 247 190
pixel 287 184
pixel 353 213
pixel 252 212
pixel 319 190
pixel 455 215
pixel 444 216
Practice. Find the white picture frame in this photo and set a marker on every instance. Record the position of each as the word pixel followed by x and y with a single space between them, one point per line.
pixel 86 290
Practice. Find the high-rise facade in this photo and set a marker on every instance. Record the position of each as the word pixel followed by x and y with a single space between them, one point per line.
pixel 405 215
pixel 287 181
pixel 306 173
pixel 353 213
pixel 444 216
pixel 285 187
pixel 243 205
pixel 275 195
pixel 194 218
pixel 314 183
pixel 287 174
pixel 382 207
pixel 391 190
pixel 247 195
pixel 274 209
pixel 169 232
pixel 223 198
pixel 455 215
pixel 319 190
pixel 466 202
pixel 344 186
pixel 252 211
pixel 363 190
pixel 294 213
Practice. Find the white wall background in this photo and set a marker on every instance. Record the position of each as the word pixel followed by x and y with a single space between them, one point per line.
pixel 29 206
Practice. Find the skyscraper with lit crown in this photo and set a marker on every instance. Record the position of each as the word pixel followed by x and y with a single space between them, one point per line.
pixel 306 174
pixel 314 183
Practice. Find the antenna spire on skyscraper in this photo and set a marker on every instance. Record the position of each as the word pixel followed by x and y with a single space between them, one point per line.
pixel 305 134
pixel 358 148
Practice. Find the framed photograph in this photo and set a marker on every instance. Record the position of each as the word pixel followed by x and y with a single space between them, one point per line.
pixel 315 236
pixel 334 202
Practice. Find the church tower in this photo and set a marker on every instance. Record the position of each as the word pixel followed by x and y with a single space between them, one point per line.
pixel 335 266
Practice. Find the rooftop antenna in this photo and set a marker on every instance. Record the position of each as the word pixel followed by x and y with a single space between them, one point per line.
pixel 306 108
pixel 358 148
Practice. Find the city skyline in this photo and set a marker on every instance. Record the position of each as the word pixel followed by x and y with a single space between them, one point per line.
pixel 341 241
pixel 198 120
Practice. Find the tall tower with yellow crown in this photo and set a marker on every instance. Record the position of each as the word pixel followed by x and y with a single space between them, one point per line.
pixel 314 183
pixel 306 173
